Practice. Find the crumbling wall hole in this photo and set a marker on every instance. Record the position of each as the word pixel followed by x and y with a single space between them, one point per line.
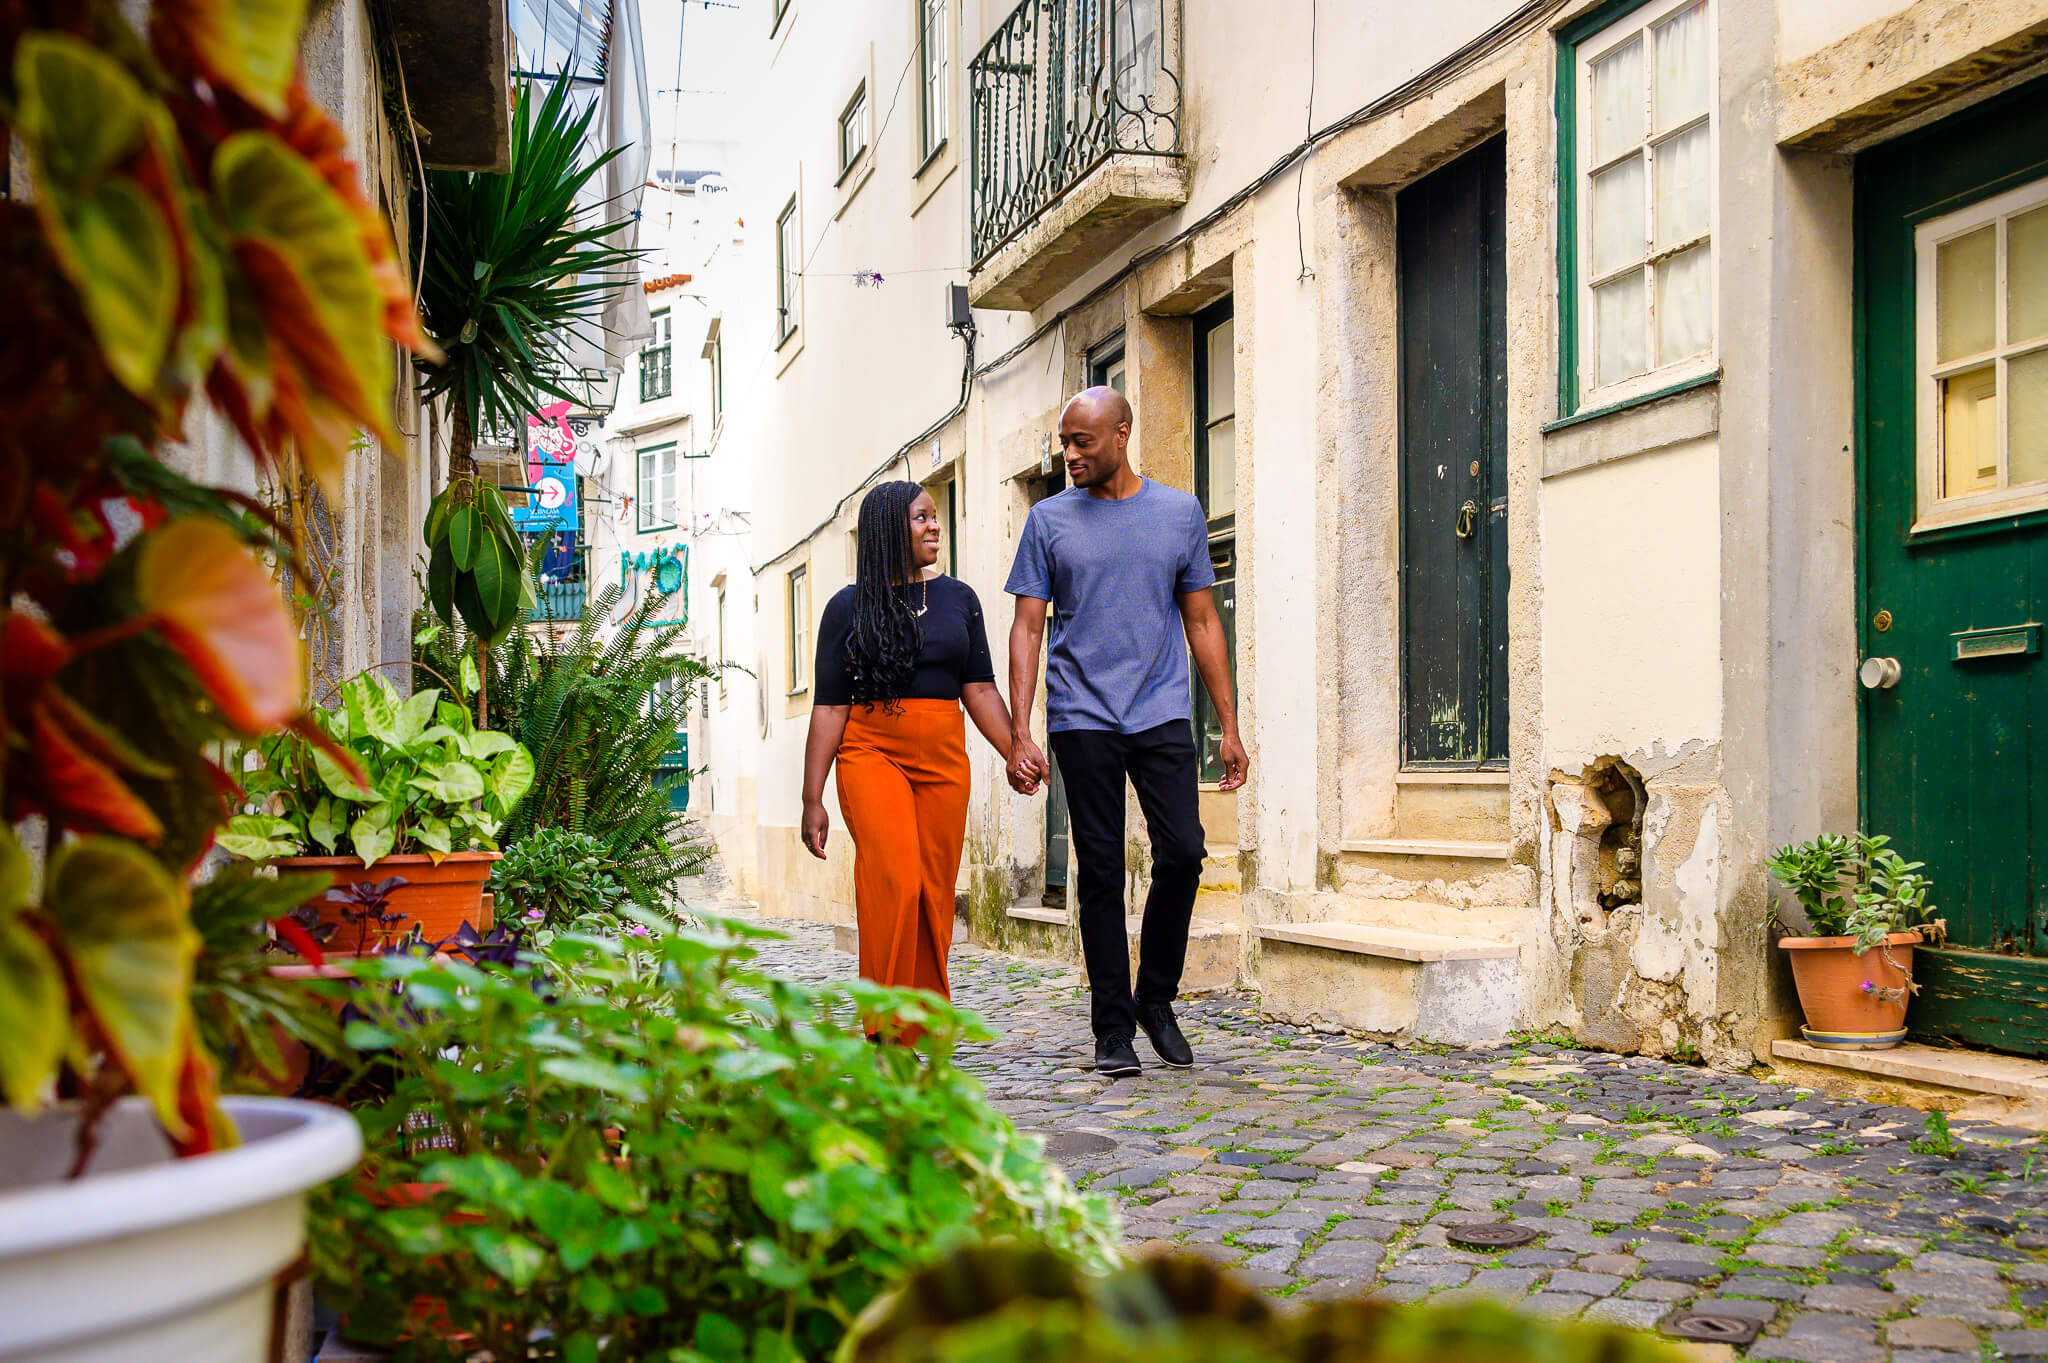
pixel 1597 819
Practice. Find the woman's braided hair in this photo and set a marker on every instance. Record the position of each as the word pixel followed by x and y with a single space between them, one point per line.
pixel 887 636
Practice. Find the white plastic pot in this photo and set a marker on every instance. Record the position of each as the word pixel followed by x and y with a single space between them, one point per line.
pixel 150 1259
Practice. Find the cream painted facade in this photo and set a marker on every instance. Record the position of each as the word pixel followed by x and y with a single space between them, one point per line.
pixel 1680 552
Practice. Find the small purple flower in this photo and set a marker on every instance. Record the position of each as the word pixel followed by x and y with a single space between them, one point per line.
pixel 635 930
pixel 534 915
pixel 1869 988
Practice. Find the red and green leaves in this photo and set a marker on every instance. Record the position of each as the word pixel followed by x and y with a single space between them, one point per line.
pixel 217 606
pixel 248 46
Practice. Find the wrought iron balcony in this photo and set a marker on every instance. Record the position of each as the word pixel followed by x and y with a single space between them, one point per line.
pixel 559 603
pixel 1063 89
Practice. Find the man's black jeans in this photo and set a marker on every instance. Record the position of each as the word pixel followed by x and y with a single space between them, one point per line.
pixel 1161 766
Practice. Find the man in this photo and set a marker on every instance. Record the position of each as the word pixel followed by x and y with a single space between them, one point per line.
pixel 1123 562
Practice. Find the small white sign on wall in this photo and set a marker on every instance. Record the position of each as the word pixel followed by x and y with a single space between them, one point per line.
pixel 935 451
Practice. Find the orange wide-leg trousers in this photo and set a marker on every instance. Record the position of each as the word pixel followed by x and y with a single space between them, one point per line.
pixel 903 782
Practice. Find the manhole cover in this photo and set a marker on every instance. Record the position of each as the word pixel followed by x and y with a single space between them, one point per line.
pixel 1705 1325
pixel 1070 1145
pixel 1498 1235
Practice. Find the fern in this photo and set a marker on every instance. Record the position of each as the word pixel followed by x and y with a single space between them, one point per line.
pixel 598 715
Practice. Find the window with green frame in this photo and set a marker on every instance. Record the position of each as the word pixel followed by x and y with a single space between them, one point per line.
pixel 933 93
pixel 657 380
pixel 716 356
pixel 1637 126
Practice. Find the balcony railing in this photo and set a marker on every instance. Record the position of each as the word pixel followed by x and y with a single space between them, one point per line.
pixel 1062 86
pixel 655 378
pixel 559 602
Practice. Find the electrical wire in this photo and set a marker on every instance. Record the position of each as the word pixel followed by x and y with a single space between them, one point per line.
pixel 1308 130
pixel 1526 19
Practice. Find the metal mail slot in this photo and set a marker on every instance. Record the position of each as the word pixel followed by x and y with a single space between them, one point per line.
pixel 2011 641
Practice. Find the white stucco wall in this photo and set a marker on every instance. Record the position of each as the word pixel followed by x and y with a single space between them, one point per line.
pixel 1631 606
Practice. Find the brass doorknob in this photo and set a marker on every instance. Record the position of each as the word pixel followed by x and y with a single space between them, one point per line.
pixel 1468 520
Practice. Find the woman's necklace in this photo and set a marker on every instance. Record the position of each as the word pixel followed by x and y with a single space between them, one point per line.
pixel 924 596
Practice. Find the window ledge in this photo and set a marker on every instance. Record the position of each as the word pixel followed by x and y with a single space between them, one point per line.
pixel 850 182
pixel 1654 421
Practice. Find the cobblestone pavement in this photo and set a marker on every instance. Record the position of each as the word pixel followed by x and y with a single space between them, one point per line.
pixel 1320 1165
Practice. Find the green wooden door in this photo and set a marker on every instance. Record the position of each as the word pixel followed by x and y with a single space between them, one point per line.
pixel 1952 294
pixel 1451 250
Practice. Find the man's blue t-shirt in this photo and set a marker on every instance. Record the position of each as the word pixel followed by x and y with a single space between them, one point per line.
pixel 1112 570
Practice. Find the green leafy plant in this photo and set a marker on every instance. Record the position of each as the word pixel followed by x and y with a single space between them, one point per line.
pixel 512 277
pixel 553 877
pixel 1855 885
pixel 599 705
pixel 430 781
pixel 1936 1139
pixel 244 1013
pixel 601 1163
pixel 1022 1304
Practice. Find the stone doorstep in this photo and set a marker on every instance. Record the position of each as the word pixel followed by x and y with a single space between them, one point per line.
pixel 1955 1068
pixel 1396 944
pixel 1429 847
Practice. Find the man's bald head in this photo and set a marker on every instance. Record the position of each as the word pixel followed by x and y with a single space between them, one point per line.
pixel 1102 402
pixel 1095 432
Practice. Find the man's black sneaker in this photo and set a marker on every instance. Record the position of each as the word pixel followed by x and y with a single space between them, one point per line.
pixel 1165 1035
pixel 1114 1056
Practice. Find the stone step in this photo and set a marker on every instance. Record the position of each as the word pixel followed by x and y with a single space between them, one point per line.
pixel 1391 982
pixel 1454 805
pixel 1945 1067
pixel 1442 849
pixel 1214 948
pixel 1219 869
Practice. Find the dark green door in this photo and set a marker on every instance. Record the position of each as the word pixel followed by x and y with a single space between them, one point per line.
pixel 1451 247
pixel 1952 294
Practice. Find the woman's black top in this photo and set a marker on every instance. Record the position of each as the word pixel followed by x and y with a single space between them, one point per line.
pixel 955 652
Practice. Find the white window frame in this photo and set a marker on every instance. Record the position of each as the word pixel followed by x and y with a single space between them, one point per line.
pixel 854 118
pixel 1641 23
pixel 718 620
pixel 1932 511
pixel 934 74
pixel 788 272
pixel 797 598
pixel 645 517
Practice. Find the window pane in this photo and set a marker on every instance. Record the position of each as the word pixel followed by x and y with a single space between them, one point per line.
pixel 1222 395
pixel 1969 432
pixel 2026 277
pixel 1618 329
pixel 1685 305
pixel 1617 218
pixel 1617 122
pixel 1682 71
pixel 1222 490
pixel 1683 173
pixel 933 56
pixel 1965 272
pixel 2026 422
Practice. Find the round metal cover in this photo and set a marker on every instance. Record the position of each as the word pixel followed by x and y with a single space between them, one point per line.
pixel 1070 1145
pixel 1715 1329
pixel 1494 1235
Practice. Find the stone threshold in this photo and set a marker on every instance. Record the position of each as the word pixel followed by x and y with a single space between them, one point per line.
pixel 1969 1071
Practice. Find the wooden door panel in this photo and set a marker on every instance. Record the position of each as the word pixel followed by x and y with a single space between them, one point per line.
pixel 1451 251
pixel 1954 758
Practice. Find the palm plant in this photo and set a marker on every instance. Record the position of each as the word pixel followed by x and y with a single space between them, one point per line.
pixel 600 718
pixel 510 280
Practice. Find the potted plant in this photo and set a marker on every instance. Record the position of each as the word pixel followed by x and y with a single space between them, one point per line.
pixel 1867 909
pixel 425 804
pixel 183 222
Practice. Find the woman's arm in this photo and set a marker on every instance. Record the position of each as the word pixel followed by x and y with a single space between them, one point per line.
pixel 828 725
pixel 985 707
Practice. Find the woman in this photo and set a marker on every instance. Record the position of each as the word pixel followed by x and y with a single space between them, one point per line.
pixel 899 653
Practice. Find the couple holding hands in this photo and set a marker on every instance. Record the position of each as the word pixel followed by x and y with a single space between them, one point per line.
pixel 1120 566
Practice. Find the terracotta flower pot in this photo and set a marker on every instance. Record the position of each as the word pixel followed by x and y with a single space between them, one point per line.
pixel 438 898
pixel 1852 1002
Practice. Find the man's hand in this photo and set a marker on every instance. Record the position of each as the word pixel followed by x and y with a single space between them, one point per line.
pixel 1028 767
pixel 816 822
pixel 1235 763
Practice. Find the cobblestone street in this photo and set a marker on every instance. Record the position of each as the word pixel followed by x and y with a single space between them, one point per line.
pixel 1320 1165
